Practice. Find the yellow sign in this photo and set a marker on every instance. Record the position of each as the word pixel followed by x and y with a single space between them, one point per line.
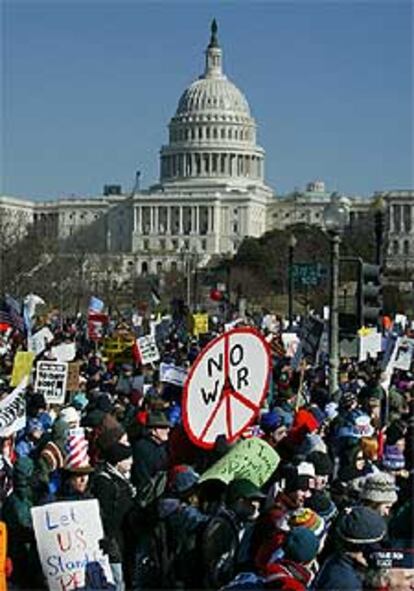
pixel 365 331
pixel 200 324
pixel 3 556
pixel 23 363
pixel 114 348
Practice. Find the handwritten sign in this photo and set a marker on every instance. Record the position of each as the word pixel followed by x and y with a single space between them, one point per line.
pixel 226 386
pixel 200 324
pixel 67 536
pixel 64 352
pixel 404 356
pixel 253 459
pixel 13 410
pixel 22 367
pixel 73 376
pixel 369 344
pixel 148 350
pixel 51 378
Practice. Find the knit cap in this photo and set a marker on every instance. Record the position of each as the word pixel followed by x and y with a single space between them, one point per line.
pixel 360 525
pixel 305 517
pixel 322 505
pixel 301 545
pixel 379 488
pixel 322 462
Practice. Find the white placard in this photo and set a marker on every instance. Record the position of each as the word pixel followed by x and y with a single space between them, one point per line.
pixel 51 378
pixel 67 536
pixel 171 374
pixel 13 410
pixel 148 349
pixel 369 344
pixel 404 355
pixel 39 340
pixel 290 341
pixel 64 352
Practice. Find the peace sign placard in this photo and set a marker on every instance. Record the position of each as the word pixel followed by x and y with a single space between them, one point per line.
pixel 225 387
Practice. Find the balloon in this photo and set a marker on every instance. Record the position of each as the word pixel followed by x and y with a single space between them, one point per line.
pixel 216 295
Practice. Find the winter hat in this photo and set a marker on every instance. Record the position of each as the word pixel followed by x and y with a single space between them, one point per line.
pixel 305 517
pixel 103 403
pixel 347 399
pixel 184 478
pixel 116 453
pixel 34 425
pixel 242 487
pixel 360 525
pixel 379 488
pixel 157 418
pixel 301 545
pixel 322 505
pixel 70 415
pixel 80 401
pixel 322 462
pixel 270 421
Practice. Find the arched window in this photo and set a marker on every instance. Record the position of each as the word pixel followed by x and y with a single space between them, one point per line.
pixel 395 247
pixel 223 133
pixel 406 247
pixel 230 134
pixel 200 133
pixel 144 268
pixel 215 133
pixel 159 267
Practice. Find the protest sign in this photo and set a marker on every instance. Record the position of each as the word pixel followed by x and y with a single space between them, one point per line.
pixel 73 376
pixel 147 349
pixel 369 344
pixel 13 410
pixel 39 340
pixel 51 378
pixel 64 352
pixel 404 355
pixel 171 374
pixel 22 367
pixel 225 387
pixel 67 536
pixel 200 324
pixel 96 325
pixel 252 458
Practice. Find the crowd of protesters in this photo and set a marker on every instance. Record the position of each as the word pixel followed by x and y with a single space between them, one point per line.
pixel 337 513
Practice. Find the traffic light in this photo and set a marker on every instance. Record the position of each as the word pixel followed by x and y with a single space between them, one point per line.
pixel 369 294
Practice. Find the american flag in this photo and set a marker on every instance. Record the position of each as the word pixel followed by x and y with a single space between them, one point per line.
pixel 11 313
pixel 276 345
pixel 77 449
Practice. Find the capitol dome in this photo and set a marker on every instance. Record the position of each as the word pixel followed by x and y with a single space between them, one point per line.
pixel 212 134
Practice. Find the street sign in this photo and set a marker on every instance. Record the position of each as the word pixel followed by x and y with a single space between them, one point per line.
pixel 226 386
pixel 308 274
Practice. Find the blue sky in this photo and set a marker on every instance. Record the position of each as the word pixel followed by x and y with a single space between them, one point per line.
pixel 89 88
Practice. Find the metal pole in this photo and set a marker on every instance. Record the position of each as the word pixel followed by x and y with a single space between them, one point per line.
pixel 379 231
pixel 290 286
pixel 333 316
pixel 188 284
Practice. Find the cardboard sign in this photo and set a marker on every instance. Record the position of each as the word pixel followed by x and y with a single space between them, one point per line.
pixel 51 378
pixel 404 355
pixel 253 459
pixel 226 386
pixel 369 344
pixel 39 340
pixel 64 352
pixel 200 324
pixel 148 350
pixel 72 383
pixel 22 367
pixel 67 536
pixel 13 410
pixel 171 374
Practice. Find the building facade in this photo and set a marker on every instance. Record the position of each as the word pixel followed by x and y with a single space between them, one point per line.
pixel 211 192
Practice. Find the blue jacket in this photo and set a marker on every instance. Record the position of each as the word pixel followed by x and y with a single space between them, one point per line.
pixel 339 573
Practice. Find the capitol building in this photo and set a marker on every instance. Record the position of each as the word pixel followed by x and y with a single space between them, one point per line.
pixel 211 194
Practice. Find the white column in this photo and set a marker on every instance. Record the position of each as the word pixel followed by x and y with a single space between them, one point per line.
pixel 197 219
pixel 168 220
pixel 180 230
pixel 156 220
pixel 151 220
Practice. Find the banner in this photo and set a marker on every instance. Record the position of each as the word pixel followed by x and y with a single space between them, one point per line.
pixel 22 367
pixel 171 374
pixel 67 536
pixel 253 459
pixel 369 344
pixel 13 410
pixel 39 340
pixel 147 349
pixel 200 324
pixel 51 378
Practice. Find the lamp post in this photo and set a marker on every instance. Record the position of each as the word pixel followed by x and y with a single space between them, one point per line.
pixel 292 244
pixel 335 216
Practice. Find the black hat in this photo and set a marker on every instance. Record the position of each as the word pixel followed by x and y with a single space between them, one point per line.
pixel 116 453
pixel 157 418
pixel 322 462
pixel 243 488
pixel 360 525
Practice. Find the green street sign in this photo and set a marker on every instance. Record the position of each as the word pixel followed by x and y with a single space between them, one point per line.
pixel 308 274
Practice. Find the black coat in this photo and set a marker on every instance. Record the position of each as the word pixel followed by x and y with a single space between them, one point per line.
pixel 149 458
pixel 116 500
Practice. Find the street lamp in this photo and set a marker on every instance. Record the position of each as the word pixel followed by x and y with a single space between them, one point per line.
pixel 292 244
pixel 335 217
pixel 379 219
